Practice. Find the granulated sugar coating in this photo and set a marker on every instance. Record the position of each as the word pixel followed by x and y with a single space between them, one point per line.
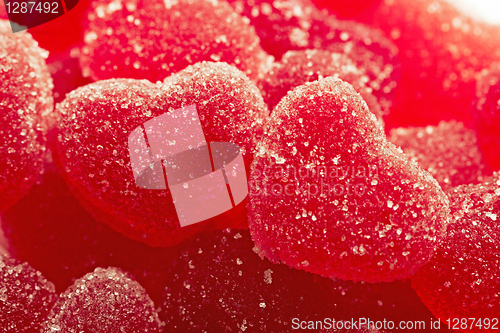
pixel 299 67
pixel 449 152
pixel 151 39
pixel 25 297
pixel 441 51
pixel 105 300
pixel 92 143
pixel 296 24
pixel 51 230
pixel 331 196
pixel 219 284
pixel 349 9
pixel 463 278
pixel 487 114
pixel 25 108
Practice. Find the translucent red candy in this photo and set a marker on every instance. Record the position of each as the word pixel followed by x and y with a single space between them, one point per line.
pixel 151 39
pixel 219 284
pixel 441 50
pixel 106 300
pixel 349 9
pixel 463 278
pixel 449 152
pixel 51 230
pixel 25 104
pixel 487 114
pixel 25 296
pixel 331 196
pixel 299 67
pixel 92 143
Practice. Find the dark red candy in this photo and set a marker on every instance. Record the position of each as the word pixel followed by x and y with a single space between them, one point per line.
pixel 26 106
pixel 219 284
pixel 25 296
pixel 331 196
pixel 449 152
pixel 487 114
pixel 151 39
pixel 299 67
pixel 441 50
pixel 463 278
pixel 66 74
pixel 92 143
pixel 106 300
pixel 51 230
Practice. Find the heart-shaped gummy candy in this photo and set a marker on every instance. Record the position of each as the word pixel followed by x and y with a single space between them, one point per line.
pixel 331 196
pixel 92 143
pixel 25 106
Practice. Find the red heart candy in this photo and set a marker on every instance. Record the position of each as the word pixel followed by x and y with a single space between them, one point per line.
pixel 26 105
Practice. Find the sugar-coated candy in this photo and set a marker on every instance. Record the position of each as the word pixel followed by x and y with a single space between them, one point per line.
pixel 151 39
pixel 487 114
pixel 462 280
pixel 106 300
pixel 51 230
pixel 441 50
pixel 296 24
pixel 299 67
pixel 330 195
pixel 26 105
pixel 219 284
pixel 449 152
pixel 25 296
pixel 66 74
pixel 92 143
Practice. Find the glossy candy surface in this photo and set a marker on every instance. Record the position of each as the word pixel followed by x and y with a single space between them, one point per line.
pixel 331 196
pixel 26 111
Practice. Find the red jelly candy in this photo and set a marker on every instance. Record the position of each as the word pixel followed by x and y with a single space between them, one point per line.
pixel 25 296
pixel 106 300
pixel 349 9
pixel 449 152
pixel 219 284
pixel 297 25
pixel 26 105
pixel 331 196
pixel 487 114
pixel 92 142
pixel 463 278
pixel 51 230
pixel 441 50
pixel 151 39
pixel 299 67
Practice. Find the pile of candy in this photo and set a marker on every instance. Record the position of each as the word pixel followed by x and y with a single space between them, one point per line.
pixel 370 147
